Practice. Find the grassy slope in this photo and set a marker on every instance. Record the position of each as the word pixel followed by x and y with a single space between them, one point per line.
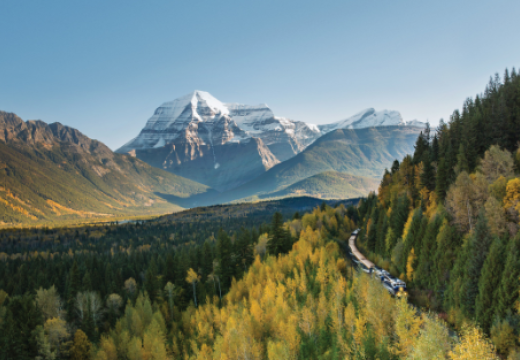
pixel 330 185
pixel 49 184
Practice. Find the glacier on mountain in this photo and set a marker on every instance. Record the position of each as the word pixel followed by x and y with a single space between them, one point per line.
pixel 225 144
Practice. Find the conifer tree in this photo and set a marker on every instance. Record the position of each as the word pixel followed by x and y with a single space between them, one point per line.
pixel 244 249
pixel 279 238
pixel 441 181
pixel 434 154
pixel 395 167
pixel 446 255
pixel 421 146
pixel 425 273
pixel 462 161
pixel 382 228
pixel 225 267
pixel 412 235
pixel 372 231
pixel 487 288
pixel 428 173
pixel 509 283
pixel 479 244
pixel 73 288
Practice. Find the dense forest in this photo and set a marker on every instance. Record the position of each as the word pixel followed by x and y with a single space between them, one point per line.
pixel 283 290
pixel 446 220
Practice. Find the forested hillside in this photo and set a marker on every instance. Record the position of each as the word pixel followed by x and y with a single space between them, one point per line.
pixel 278 291
pixel 55 174
pixel 446 220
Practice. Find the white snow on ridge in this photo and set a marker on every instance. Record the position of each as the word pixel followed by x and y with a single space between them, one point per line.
pixel 366 118
pixel 200 115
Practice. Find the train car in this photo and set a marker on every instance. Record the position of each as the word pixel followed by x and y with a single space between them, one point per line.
pixel 395 286
pixel 365 264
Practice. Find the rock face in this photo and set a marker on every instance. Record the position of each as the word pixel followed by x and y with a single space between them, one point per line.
pixel 225 145
pixel 220 145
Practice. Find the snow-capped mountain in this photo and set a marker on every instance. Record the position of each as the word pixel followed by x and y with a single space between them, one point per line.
pixel 226 144
pixel 201 115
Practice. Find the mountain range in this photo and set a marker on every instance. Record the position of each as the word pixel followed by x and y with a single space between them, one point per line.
pixel 226 145
pixel 193 151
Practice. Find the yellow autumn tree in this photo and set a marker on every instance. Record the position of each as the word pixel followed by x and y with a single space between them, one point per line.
pixel 473 345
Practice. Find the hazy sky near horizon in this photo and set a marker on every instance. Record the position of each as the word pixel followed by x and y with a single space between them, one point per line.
pixel 104 66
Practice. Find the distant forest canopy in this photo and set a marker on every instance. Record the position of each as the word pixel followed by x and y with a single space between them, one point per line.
pixel 446 220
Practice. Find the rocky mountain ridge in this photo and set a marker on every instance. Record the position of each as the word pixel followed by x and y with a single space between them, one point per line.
pixel 224 145
pixel 54 173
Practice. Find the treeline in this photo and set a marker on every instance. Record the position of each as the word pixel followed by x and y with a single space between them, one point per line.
pixel 446 220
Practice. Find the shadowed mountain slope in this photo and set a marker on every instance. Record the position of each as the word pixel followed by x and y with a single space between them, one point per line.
pixel 359 152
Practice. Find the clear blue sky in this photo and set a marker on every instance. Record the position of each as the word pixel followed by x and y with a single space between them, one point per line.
pixel 104 66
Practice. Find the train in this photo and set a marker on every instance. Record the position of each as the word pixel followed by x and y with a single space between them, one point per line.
pixel 395 286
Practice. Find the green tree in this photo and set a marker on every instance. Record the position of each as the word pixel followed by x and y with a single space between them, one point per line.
pixel 73 288
pixel 509 283
pixel 244 249
pixel 279 238
pixel 225 264
pixel 479 244
pixel 441 182
pixel 486 300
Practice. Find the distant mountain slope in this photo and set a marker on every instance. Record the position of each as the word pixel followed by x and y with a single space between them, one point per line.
pixel 55 173
pixel 360 152
pixel 330 185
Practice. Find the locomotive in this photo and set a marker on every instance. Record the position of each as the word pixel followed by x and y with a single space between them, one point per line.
pixel 395 286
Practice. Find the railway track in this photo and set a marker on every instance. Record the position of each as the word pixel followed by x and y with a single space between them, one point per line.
pixel 395 286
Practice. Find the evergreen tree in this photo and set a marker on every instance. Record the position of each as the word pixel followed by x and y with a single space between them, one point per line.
pixel 86 284
pixel 447 247
pixel 486 300
pixel 479 244
pixel 382 228
pixel 509 283
pixel 73 288
pixel 425 274
pixel 434 154
pixel 395 167
pixel 441 182
pixel 428 173
pixel 244 249
pixel 279 239
pixel 462 161
pixel 421 146
pixel 206 261
pixel 150 284
pixel 372 232
pixel 18 340
pixel 225 268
